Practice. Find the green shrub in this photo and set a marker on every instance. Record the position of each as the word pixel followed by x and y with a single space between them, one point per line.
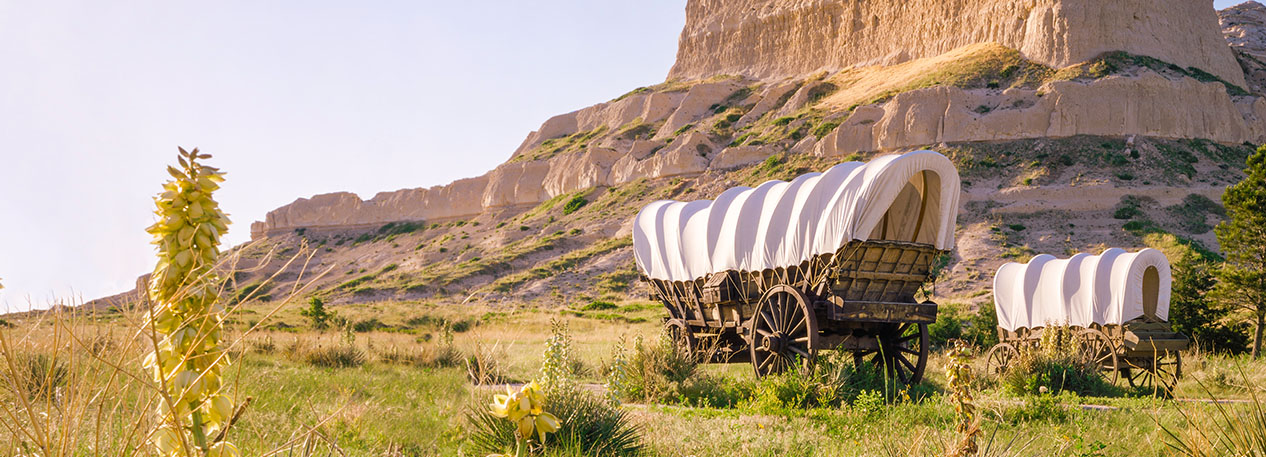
pixel 835 381
pixel 825 128
pixel 574 204
pixel 599 305
pixel 462 326
pixel 772 162
pixel 368 325
pixel 1052 368
pixel 1130 207
pixel 1192 213
pixel 948 326
pixel 1127 212
pixel 657 371
pixel 982 328
pixel 399 228
pixel 1040 408
pixel 592 426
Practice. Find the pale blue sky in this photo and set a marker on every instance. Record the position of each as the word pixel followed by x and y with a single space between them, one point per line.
pixel 294 98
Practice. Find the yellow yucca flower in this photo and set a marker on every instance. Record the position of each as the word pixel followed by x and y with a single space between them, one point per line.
pixel 186 315
pixel 526 408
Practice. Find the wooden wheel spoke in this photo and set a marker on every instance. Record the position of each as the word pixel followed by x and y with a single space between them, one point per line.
pixel 902 375
pixel 906 362
pixel 769 320
pixel 785 318
pixel 799 324
pixel 799 351
pixel 788 310
pixel 907 350
pixel 764 361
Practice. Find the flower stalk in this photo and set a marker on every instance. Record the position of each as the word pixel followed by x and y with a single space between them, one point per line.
pixel 186 315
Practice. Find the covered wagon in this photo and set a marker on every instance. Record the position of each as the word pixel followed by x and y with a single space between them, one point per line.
pixel 831 260
pixel 1117 304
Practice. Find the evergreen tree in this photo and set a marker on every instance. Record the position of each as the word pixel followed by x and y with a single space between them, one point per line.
pixel 317 314
pixel 1242 279
pixel 1193 311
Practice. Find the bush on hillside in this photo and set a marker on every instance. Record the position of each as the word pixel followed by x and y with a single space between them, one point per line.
pixel 574 204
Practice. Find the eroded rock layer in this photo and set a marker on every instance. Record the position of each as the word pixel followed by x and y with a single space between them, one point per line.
pixel 978 91
pixel 777 38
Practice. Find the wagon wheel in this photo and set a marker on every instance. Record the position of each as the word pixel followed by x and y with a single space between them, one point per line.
pixel 681 336
pixel 898 345
pixel 1095 351
pixel 1158 374
pixel 783 331
pixel 999 358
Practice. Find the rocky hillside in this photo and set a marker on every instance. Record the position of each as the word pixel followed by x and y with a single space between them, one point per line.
pixel 1074 126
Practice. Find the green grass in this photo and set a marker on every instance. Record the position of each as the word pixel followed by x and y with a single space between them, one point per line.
pixel 997 67
pixel 555 146
pixel 636 130
pixel 1118 62
pixel 395 402
pixel 559 264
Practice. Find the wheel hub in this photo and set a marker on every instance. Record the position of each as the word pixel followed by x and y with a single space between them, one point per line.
pixel 775 343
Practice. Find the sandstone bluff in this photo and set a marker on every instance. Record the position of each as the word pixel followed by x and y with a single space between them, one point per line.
pixel 833 77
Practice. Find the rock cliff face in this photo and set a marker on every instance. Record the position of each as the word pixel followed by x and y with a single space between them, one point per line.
pixel 1026 69
pixel 1244 26
pixel 778 38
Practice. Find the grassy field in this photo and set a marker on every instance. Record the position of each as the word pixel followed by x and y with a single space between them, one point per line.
pixel 402 387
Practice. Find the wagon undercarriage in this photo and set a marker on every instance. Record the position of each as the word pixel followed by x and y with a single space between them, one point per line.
pixel 1146 355
pixel 861 299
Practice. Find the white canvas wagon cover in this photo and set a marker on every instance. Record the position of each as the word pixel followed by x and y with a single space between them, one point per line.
pixel 907 197
pixel 1106 289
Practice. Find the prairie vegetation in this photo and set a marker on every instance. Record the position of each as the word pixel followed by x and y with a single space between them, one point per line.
pixel 415 386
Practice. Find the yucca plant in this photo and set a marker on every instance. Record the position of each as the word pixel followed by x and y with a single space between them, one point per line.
pixel 959 374
pixel 186 315
pixel 68 390
pixel 588 425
